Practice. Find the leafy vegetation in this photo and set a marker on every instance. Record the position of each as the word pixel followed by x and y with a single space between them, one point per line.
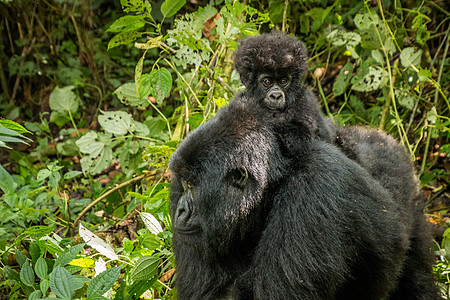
pixel 101 93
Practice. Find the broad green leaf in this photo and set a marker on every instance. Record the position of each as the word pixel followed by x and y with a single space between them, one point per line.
pixel 410 56
pixel 127 94
pixel 61 283
pixel 43 174
pixel 145 268
pixel 171 7
pixel 27 274
pixel 7 184
pixel 64 100
pixel 41 268
pixel 72 174
pixel 162 80
pixel 78 281
pixel 101 283
pixel 88 143
pixel 13 126
pixel 35 295
pixel 10 273
pixel 127 23
pixel 21 258
pixel 68 255
pixel 44 285
pixel 115 122
pixel 343 79
pixel 123 38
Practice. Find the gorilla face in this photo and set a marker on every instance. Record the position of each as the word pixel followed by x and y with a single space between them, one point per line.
pixel 275 89
pixel 222 175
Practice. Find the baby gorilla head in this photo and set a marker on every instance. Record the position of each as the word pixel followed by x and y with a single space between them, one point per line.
pixel 272 67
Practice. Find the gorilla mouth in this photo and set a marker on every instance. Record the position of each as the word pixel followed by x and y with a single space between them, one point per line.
pixel 187 230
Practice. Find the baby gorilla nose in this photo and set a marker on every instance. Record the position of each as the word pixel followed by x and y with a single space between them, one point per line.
pixel 275 99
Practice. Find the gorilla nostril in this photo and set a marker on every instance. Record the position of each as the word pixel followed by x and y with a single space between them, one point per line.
pixel 183 213
pixel 276 96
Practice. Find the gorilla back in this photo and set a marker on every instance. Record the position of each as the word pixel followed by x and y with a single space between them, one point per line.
pixel 250 222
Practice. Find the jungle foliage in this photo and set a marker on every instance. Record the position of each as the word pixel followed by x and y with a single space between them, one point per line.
pixel 96 95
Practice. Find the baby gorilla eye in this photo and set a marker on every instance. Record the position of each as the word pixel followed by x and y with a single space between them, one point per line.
pixel 238 177
pixel 284 81
pixel 266 81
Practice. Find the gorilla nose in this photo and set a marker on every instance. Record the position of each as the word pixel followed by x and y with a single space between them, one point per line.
pixel 183 213
pixel 276 96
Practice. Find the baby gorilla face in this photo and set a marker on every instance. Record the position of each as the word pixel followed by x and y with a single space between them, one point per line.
pixel 275 89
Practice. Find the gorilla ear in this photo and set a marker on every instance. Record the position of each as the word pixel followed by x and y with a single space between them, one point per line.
pixel 238 177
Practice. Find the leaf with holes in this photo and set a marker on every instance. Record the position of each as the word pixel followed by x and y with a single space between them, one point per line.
pixel 101 283
pixel 127 94
pixel 162 83
pixel 370 79
pixel 115 122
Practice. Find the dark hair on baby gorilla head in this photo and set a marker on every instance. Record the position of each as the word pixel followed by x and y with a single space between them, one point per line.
pixel 272 52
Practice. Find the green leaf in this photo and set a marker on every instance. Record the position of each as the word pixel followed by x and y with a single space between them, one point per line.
pixel 27 274
pixel 123 38
pixel 64 100
pixel 145 268
pixel 424 74
pixel 101 283
pixel 43 174
pixel 35 295
pixel 127 94
pixel 78 281
pixel 44 285
pixel 410 56
pixel 171 7
pixel 162 80
pixel 127 23
pixel 13 126
pixel 343 79
pixel 7 185
pixel 72 174
pixel 10 273
pixel 41 268
pixel 21 258
pixel 68 255
pixel 115 122
pixel 61 283
pixel 370 79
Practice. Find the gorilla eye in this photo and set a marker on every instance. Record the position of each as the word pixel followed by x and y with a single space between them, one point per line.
pixel 238 177
pixel 186 185
pixel 284 81
pixel 266 81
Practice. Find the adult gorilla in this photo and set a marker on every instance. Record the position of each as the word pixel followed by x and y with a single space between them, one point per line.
pixel 251 222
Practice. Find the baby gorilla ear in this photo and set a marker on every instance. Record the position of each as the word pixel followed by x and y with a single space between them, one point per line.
pixel 238 177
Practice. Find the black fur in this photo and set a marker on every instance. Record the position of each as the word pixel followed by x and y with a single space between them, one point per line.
pixel 317 226
pixel 281 204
